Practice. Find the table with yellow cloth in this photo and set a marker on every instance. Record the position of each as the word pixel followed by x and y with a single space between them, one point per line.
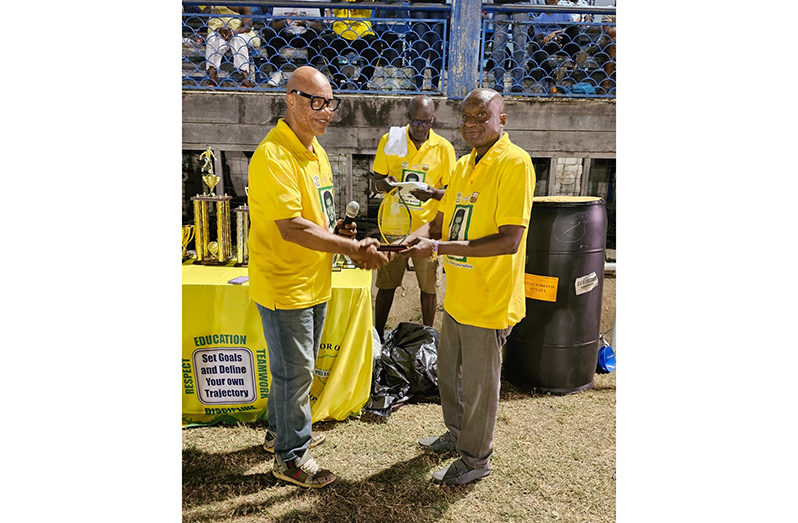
pixel 225 360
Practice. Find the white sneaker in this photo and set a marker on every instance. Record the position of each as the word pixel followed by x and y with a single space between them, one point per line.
pixel 275 80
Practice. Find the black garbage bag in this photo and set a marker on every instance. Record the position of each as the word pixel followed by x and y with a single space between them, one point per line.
pixel 407 366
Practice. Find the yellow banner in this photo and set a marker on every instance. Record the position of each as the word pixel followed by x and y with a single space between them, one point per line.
pixel 225 375
pixel 543 288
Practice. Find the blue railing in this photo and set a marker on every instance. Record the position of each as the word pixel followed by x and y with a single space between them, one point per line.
pixel 394 48
pixel 539 51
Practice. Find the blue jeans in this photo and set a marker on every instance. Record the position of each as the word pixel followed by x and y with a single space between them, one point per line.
pixel 293 338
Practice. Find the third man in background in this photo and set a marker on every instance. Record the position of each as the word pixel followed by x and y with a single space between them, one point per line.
pixel 413 153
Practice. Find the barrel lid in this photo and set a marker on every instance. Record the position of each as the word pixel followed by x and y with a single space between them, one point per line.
pixel 567 199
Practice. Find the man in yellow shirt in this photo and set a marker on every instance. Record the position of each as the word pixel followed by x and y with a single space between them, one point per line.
pixel 351 32
pixel 291 246
pixel 489 200
pixel 414 153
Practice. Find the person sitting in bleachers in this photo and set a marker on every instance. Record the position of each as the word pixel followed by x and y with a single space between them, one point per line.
pixel 351 32
pixel 295 34
pixel 608 85
pixel 501 55
pixel 228 33
pixel 553 34
pixel 426 40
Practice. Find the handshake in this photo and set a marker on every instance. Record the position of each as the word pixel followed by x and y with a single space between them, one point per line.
pixel 364 252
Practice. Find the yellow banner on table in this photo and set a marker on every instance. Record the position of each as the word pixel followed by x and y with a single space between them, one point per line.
pixel 225 375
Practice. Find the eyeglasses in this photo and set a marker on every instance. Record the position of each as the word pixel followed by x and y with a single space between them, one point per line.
pixel 420 123
pixel 317 103
pixel 480 118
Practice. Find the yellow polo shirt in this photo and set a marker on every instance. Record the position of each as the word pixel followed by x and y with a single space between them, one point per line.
pixel 352 29
pixel 488 292
pixel 286 180
pixel 431 164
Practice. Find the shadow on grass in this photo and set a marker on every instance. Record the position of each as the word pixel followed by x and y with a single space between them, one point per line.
pixel 402 492
pixel 209 478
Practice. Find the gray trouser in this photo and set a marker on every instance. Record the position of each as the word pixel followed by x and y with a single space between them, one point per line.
pixel 469 380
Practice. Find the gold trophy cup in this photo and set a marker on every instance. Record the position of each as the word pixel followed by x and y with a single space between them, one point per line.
pixel 210 180
pixel 188 235
pixel 219 251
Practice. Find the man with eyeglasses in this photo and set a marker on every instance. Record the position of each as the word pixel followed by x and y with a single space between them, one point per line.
pixel 489 200
pixel 291 247
pixel 412 153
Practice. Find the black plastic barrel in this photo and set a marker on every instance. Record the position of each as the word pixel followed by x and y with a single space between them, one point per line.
pixel 555 347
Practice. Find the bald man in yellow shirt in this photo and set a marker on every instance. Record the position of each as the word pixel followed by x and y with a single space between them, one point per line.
pixel 416 153
pixel 291 246
pixel 483 218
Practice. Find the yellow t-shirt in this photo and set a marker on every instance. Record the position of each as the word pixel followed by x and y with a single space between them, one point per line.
pixel 352 29
pixel 214 24
pixel 432 164
pixel 286 180
pixel 488 292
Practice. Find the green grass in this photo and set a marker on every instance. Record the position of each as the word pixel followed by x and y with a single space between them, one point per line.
pixel 553 460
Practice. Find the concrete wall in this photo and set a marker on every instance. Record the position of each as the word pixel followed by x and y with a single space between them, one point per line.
pixel 546 128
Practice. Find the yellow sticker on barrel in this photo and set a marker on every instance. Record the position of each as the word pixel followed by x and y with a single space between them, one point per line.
pixel 543 288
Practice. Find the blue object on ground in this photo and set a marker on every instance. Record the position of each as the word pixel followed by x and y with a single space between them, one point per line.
pixel 606 360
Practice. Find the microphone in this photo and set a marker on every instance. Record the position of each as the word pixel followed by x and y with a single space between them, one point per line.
pixel 352 208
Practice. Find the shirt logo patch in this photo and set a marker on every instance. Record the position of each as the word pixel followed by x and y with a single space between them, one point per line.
pixel 459 226
pixel 328 206
pixel 316 180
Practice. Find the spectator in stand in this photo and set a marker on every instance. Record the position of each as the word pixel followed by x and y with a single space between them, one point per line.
pixel 390 33
pixel 292 32
pixel 608 43
pixel 553 33
pixel 351 33
pixel 228 33
pixel 427 44
pixel 577 17
pixel 499 56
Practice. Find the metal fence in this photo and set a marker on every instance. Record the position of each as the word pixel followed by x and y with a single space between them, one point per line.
pixel 396 48
pixel 532 52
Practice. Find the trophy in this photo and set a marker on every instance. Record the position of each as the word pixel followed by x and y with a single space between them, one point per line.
pixel 210 179
pixel 218 251
pixel 394 218
pixel 242 232
pixel 188 235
